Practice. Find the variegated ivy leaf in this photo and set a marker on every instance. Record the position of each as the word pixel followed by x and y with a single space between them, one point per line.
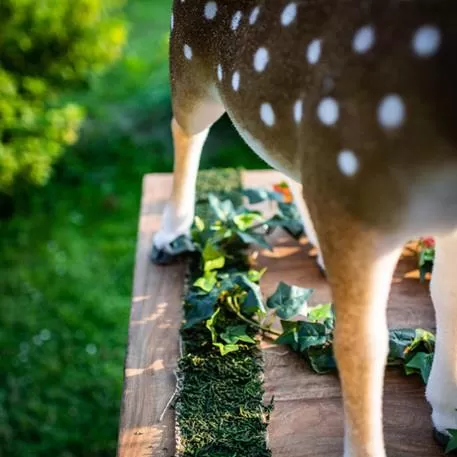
pixel 288 301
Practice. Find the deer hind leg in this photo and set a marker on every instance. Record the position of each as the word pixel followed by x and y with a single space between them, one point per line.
pixel 442 385
pixel 195 110
pixel 360 266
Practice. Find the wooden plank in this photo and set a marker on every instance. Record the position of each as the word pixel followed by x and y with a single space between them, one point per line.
pixel 153 338
pixel 307 420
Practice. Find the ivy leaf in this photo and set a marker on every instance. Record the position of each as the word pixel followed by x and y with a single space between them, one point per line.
pixel 207 282
pixel 287 300
pixel 236 333
pixel 289 336
pixel 320 313
pixel 293 222
pixel 244 221
pixel 211 325
pixel 223 210
pixel 311 334
pixel 213 258
pixel 255 275
pixel 421 363
pixel 399 341
pixel 311 339
pixel 199 224
pixel 322 361
pixel 226 348
pixel 253 302
pixel 254 238
pixel 200 307
pixel 255 196
pixel 452 444
pixel 423 340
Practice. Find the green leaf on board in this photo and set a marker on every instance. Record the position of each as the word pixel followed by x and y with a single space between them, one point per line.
pixel 244 221
pixel 288 301
pixel 200 307
pixel 213 257
pixel 422 363
pixel 222 209
pixel 226 348
pixel 253 302
pixel 207 282
pixel 255 196
pixel 320 313
pixel 254 238
pixel 256 275
pixel 234 334
pixel 452 444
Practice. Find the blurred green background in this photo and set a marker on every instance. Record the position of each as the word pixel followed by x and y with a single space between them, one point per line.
pixel 67 245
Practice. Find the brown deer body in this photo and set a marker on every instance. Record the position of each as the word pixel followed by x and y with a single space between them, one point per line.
pixel 357 101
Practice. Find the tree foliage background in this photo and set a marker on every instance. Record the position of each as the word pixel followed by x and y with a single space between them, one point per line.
pixel 68 227
pixel 46 47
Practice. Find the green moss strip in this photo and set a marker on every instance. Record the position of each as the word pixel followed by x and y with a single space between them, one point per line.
pixel 220 408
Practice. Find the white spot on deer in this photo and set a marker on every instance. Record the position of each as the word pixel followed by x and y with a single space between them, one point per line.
pixel 267 114
pixel 254 15
pixel 298 111
pixel 348 162
pixel 427 41
pixel 210 10
pixel 172 21
pixel 314 52
pixel 220 72
pixel 261 59
pixel 236 20
pixel 328 111
pixel 289 14
pixel 391 111
pixel 236 81
pixel 188 52
pixel 364 39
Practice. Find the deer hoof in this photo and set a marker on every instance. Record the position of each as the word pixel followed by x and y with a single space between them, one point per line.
pixel 173 251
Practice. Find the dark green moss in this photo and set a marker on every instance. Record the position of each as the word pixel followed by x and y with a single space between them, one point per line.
pixel 220 408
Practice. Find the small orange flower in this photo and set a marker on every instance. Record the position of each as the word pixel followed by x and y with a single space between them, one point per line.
pixel 283 189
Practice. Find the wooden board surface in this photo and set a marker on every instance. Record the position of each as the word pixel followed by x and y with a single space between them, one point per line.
pixel 153 338
pixel 307 420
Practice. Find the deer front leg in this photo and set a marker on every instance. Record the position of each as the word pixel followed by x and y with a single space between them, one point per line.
pixel 360 266
pixel 178 214
pixel 442 385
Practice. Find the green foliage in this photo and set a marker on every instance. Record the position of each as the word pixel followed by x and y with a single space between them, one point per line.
pixel 452 445
pixel 288 301
pixel 414 348
pixel 46 47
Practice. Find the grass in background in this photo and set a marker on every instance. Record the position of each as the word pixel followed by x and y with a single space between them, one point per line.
pixel 67 256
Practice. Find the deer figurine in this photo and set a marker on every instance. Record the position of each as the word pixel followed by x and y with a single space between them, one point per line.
pixel 356 101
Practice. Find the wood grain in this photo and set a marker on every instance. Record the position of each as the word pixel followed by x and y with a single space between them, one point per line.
pixel 153 338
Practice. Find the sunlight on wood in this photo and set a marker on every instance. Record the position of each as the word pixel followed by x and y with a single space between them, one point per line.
pixel 156 366
pixel 415 274
pixel 159 312
pixel 280 252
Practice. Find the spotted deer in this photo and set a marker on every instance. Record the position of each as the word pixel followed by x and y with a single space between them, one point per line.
pixel 356 101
